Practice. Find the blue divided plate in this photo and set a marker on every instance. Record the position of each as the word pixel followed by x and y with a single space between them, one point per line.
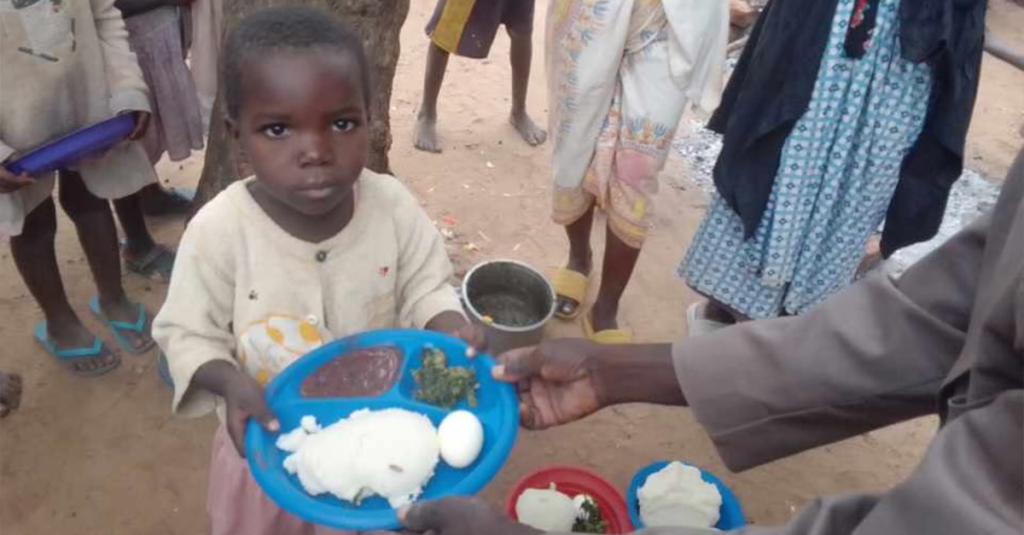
pixel 75 146
pixel 497 408
pixel 730 514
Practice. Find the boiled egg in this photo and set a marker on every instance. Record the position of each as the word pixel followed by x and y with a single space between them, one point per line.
pixel 462 437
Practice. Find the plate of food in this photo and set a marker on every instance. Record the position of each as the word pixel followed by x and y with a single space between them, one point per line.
pixel 674 493
pixel 379 420
pixel 567 499
pixel 73 147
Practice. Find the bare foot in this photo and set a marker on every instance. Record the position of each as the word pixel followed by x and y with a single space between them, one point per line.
pixel 10 393
pixel 128 312
pixel 532 134
pixel 71 334
pixel 426 135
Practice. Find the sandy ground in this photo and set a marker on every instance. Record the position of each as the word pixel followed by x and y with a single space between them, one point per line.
pixel 90 456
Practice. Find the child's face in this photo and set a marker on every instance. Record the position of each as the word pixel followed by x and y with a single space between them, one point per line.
pixel 302 122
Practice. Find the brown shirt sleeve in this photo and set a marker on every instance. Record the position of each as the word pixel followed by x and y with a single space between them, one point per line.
pixel 872 355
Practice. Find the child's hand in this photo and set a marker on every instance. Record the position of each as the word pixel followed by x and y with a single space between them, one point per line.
pixel 141 125
pixel 474 336
pixel 10 182
pixel 244 397
pixel 455 324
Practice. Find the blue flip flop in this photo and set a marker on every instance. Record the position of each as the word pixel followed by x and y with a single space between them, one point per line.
pixel 68 356
pixel 116 327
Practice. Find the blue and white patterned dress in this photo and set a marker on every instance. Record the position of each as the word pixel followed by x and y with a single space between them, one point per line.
pixel 837 173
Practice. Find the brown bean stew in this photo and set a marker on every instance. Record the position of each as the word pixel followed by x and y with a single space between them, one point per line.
pixel 364 372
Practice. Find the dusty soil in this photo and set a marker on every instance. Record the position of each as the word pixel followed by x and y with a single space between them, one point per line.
pixel 90 456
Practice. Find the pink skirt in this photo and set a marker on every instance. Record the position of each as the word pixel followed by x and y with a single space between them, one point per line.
pixel 237 504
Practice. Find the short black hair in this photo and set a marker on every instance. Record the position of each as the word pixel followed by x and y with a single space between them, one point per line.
pixel 291 28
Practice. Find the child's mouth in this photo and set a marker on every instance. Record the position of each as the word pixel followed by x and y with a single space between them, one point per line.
pixel 318 193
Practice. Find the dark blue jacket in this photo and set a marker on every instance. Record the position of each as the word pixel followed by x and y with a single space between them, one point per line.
pixel 771 88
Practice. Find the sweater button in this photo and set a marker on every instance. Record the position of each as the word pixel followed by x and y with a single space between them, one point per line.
pixel 321 256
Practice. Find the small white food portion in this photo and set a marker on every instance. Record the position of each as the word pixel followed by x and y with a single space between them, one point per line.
pixel 462 437
pixel 391 453
pixel 677 496
pixel 546 510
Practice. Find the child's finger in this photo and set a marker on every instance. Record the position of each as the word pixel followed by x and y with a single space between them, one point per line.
pixel 265 417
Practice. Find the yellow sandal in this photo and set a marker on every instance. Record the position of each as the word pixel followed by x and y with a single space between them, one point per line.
pixel 571 285
pixel 607 336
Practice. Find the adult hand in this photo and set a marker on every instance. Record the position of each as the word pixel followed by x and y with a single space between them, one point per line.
pixel 141 124
pixel 458 516
pixel 10 182
pixel 244 398
pixel 556 381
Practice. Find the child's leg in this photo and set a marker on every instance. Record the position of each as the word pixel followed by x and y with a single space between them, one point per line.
pixel 34 254
pixel 98 236
pixel 619 261
pixel 580 255
pixel 521 55
pixel 141 253
pixel 426 124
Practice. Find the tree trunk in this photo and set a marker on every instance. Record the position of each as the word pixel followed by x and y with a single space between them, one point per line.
pixel 379 23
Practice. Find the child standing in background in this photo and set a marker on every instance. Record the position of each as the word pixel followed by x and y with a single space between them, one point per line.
pixel 467 28
pixel 66 64
pixel 312 248
pixel 155 35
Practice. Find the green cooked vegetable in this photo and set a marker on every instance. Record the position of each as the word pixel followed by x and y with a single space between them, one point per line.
pixel 443 386
pixel 589 520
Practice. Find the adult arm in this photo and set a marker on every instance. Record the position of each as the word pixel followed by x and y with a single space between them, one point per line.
pixel 968 482
pixel 874 354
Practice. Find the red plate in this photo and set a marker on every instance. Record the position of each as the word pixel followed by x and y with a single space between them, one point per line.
pixel 573 481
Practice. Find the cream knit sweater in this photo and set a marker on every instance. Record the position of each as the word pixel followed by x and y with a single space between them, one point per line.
pixel 246 292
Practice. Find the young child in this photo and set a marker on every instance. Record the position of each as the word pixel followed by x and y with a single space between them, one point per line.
pixel 66 64
pixel 155 35
pixel 312 248
pixel 467 28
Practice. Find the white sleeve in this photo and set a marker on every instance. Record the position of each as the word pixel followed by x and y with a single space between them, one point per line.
pixel 424 270
pixel 128 91
pixel 194 325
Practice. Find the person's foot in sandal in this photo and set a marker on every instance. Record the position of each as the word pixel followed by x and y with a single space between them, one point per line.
pixel 571 283
pixel 153 262
pixel 157 200
pixel 77 349
pixel 10 393
pixel 128 322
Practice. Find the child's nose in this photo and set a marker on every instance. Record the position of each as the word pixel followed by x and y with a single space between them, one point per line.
pixel 316 150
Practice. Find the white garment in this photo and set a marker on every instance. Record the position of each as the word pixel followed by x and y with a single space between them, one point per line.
pixel 246 292
pixel 65 65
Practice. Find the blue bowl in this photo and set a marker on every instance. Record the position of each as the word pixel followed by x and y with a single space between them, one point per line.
pixel 497 408
pixel 730 514
pixel 75 146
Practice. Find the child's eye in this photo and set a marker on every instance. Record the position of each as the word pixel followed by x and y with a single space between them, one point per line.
pixel 344 125
pixel 275 131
